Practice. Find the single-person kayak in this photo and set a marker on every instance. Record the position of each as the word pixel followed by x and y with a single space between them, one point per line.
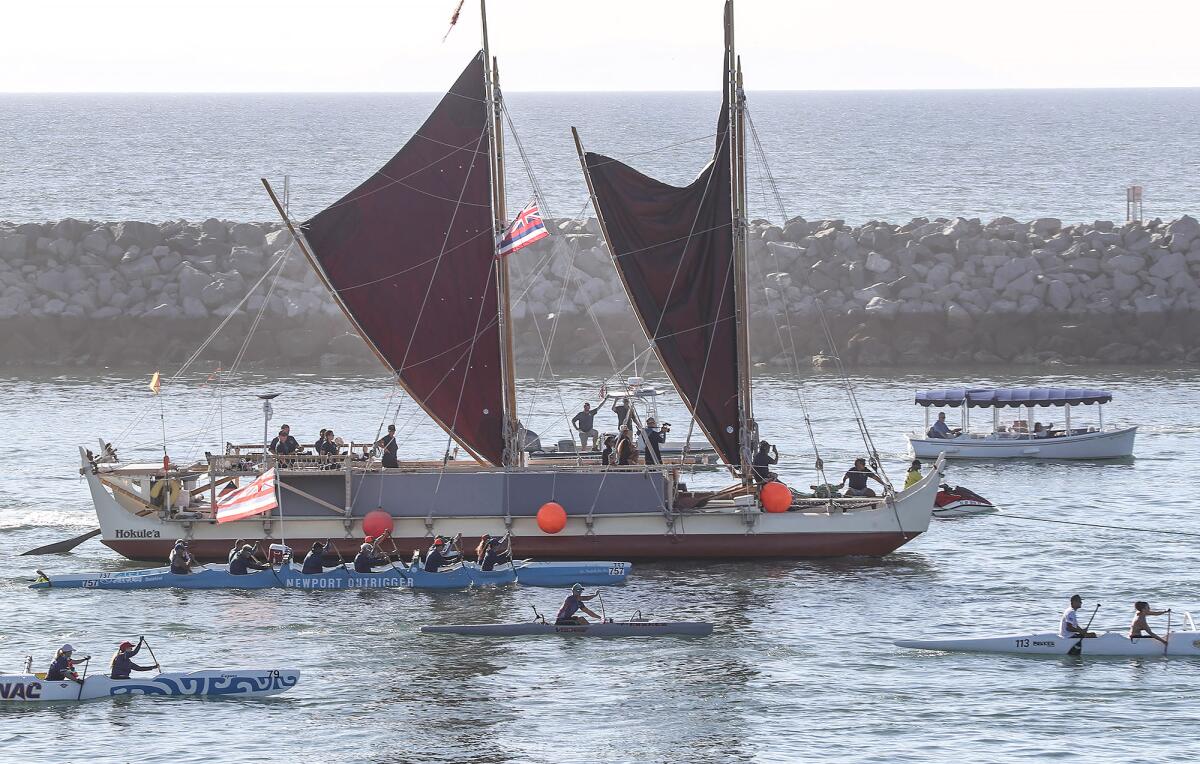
pixel 1104 643
pixel 398 576
pixel 609 628
pixel 239 683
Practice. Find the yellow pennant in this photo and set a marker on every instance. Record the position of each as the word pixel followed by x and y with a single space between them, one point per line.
pixel 155 384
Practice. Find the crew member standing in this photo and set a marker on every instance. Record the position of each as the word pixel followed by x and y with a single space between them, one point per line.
pixel 390 447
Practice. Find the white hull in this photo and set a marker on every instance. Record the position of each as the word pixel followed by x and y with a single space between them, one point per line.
pixel 1105 444
pixel 853 527
pixel 1180 643
pixel 966 508
pixel 237 683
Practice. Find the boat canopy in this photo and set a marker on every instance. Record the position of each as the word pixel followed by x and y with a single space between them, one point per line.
pixel 1012 397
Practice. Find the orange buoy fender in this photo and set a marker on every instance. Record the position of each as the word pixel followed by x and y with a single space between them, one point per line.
pixel 551 517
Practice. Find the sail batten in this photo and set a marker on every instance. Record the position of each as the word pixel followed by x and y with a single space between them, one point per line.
pixel 410 256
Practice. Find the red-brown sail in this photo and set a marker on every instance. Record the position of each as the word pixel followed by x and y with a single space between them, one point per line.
pixel 673 248
pixel 410 254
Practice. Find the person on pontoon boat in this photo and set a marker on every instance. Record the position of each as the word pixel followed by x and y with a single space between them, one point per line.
pixel 181 560
pixel 914 474
pixel 314 561
pixel 368 559
pixel 122 662
pixel 573 604
pixel 1068 625
pixel 1139 627
pixel 62 668
pixel 494 553
pixel 857 477
pixel 243 562
pixel 942 430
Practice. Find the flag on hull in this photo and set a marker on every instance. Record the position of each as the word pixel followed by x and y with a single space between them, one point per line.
pixel 525 229
pixel 253 499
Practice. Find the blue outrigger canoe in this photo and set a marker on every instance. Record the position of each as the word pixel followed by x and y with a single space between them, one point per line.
pixel 398 576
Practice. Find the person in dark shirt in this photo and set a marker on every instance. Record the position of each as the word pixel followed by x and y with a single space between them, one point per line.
pixel 572 605
pixel 320 440
pixel 181 559
pixel 368 559
pixel 766 456
pixel 857 477
pixel 608 455
pixel 314 561
pixel 122 662
pixel 439 556
pixel 622 411
pixel 495 554
pixel 284 443
pixel 62 668
pixel 326 445
pixel 390 447
pixel 583 422
pixel 655 437
pixel 243 562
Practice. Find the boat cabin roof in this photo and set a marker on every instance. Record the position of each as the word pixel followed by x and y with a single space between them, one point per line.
pixel 1013 397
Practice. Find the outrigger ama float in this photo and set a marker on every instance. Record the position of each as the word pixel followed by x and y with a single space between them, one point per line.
pixel 410 256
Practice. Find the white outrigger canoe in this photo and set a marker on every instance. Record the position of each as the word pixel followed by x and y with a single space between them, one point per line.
pixel 1179 643
pixel 634 627
pixel 224 683
pixel 1022 439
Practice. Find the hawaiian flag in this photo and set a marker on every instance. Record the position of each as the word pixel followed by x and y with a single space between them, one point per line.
pixel 524 230
pixel 253 499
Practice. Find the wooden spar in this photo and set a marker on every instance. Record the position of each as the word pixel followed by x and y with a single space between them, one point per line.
pixel 748 435
pixel 587 176
pixel 512 427
pixel 302 243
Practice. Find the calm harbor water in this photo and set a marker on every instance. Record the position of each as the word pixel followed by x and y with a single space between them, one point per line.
pixel 800 666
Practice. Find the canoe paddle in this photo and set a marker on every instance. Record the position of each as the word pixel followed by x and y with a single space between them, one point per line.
pixel 1077 648
pixel 60 547
pixel 152 657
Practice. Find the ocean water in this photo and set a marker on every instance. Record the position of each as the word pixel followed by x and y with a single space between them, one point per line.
pixel 852 155
pixel 800 667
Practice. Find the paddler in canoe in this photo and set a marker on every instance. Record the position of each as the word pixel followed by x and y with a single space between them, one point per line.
pixel 368 558
pixel 241 563
pixel 492 552
pixel 441 554
pixel 1139 627
pixel 63 667
pixel 573 604
pixel 181 559
pixel 122 662
pixel 314 561
pixel 1069 626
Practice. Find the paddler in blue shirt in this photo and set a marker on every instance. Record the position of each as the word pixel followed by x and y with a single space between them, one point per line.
pixel 63 667
pixel 122 662
pixel 367 559
pixel 439 556
pixel 314 561
pixel 573 604
pixel 181 559
pixel 243 562
pixel 494 554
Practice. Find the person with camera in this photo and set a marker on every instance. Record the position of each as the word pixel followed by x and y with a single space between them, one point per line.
pixel 655 437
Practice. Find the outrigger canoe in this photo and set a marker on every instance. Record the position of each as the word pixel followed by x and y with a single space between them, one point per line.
pixel 239 683
pixel 1179 643
pixel 399 576
pixel 635 627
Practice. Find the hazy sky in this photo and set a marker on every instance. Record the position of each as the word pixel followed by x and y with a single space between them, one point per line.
pixel 396 45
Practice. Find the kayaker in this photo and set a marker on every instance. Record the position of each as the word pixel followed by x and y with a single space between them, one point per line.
pixel 1069 625
pixel 243 562
pixel 1139 627
pixel 439 556
pixel 857 477
pixel 495 554
pixel 573 604
pixel 181 558
pixel 914 474
pixel 122 662
pixel 314 561
pixel 368 559
pixel 63 667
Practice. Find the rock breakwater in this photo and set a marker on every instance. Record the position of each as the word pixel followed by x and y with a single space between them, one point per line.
pixel 927 291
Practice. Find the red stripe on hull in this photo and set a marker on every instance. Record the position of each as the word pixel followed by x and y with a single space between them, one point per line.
pixel 631 548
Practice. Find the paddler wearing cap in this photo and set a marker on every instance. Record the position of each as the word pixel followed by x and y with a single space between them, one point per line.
pixel 122 662
pixel 439 555
pixel 573 604
pixel 492 552
pixel 367 558
pixel 63 668
pixel 314 561
pixel 243 562
pixel 181 560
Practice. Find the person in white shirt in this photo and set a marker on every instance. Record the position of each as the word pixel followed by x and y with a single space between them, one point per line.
pixel 1069 625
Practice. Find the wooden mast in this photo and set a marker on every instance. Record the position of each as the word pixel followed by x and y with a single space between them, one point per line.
pixel 512 428
pixel 748 429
